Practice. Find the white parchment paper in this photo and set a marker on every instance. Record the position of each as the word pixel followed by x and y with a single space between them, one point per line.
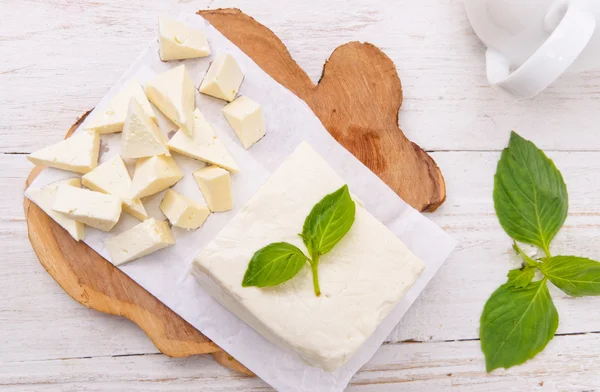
pixel 288 121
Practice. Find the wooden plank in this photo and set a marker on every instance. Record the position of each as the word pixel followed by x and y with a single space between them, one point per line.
pixel 68 62
pixel 569 363
pixel 56 325
pixel 38 320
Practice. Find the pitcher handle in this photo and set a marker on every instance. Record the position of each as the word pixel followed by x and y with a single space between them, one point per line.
pixel 551 60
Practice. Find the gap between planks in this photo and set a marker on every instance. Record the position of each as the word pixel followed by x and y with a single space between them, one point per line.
pixel 547 150
pixel 404 342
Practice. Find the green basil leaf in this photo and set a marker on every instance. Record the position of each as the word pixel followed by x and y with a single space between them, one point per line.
pixel 520 277
pixel 328 222
pixel 516 324
pixel 576 276
pixel 274 264
pixel 530 195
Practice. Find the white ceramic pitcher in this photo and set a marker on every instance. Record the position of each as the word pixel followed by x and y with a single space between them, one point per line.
pixel 530 43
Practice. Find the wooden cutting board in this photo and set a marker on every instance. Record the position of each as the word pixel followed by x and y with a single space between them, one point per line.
pixel 357 100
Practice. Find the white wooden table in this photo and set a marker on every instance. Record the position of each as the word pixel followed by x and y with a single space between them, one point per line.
pixel 59 57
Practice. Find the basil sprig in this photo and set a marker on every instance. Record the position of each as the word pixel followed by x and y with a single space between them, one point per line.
pixel 328 222
pixel 531 202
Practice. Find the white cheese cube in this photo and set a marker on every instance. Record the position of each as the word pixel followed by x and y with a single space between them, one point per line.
pixel 362 278
pixel 79 153
pixel 141 240
pixel 215 185
pixel 178 41
pixel 182 211
pixel 173 94
pixel 154 174
pixel 246 118
pixel 113 178
pixel 203 145
pixel 45 197
pixel 112 117
pixel 95 209
pixel 223 78
pixel 141 136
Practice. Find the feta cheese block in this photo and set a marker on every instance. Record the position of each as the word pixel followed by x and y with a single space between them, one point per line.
pixel 215 184
pixel 112 117
pixel 141 136
pixel 182 211
pixel 95 209
pixel 362 278
pixel 45 197
pixel 178 41
pixel 141 240
pixel 172 92
pixel 113 178
pixel 154 174
pixel 223 78
pixel 203 145
pixel 79 153
pixel 246 118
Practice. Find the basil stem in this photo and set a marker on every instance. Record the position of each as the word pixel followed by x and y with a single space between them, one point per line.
pixel 314 265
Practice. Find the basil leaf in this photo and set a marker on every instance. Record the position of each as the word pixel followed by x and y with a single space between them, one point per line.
pixel 328 222
pixel 516 324
pixel 520 277
pixel 274 264
pixel 530 195
pixel 576 276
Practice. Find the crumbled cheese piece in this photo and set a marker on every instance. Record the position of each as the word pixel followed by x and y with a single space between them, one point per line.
pixel 178 41
pixel 182 211
pixel 173 94
pixel 246 118
pixel 141 240
pixel 141 136
pixel 215 185
pixel 45 197
pixel 203 145
pixel 95 209
pixel 79 153
pixel 154 174
pixel 223 78
pixel 112 177
pixel 112 117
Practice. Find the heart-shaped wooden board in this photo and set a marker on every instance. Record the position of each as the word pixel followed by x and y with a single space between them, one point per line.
pixel 357 100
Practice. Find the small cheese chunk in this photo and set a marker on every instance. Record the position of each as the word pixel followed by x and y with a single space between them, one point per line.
pixel 173 94
pixel 79 153
pixel 362 278
pixel 182 211
pixel 141 136
pixel 215 185
pixel 45 197
pixel 113 178
pixel 112 117
pixel 203 145
pixel 246 118
pixel 154 174
pixel 178 41
pixel 223 78
pixel 141 240
pixel 95 209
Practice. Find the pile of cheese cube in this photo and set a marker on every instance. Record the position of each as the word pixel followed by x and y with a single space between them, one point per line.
pixel 110 189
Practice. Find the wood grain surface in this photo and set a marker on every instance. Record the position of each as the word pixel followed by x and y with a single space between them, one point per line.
pixel 357 100
pixel 60 57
